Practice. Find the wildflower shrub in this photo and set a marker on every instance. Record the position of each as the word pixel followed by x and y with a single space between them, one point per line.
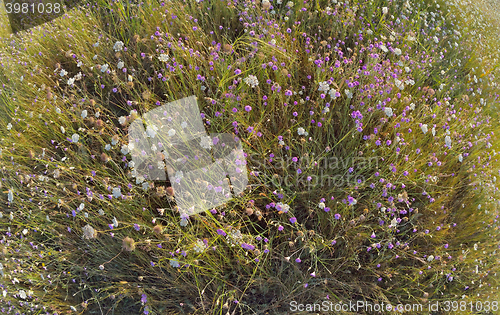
pixel 375 91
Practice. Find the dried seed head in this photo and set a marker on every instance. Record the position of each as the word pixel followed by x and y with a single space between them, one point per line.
pixel 170 191
pixel 158 229
pixel 99 123
pixel 104 157
pixel 249 211
pixel 227 48
pixel 128 244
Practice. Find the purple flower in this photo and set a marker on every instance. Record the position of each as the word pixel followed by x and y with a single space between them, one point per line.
pixel 144 298
pixel 293 220
pixel 337 216
pixel 247 246
pixel 221 232
pixel 280 228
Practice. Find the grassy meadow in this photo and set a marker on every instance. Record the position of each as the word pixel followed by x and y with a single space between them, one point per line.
pixel 370 131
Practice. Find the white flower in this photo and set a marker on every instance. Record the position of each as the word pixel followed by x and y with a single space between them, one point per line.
pixel 75 137
pixel 424 128
pixel 58 110
pixel 63 73
pixel 394 223
pixel 120 64
pixel 125 149
pixel 436 40
pixel 70 81
pixel 163 57
pixel 388 111
pixel 251 81
pixel 324 86
pixel 84 113
pixel 199 246
pixel 273 42
pixel 118 46
pixel 397 51
pixel 9 126
pixel 117 192
pixel 433 131
pixel 385 10
pixel 282 207
pixel 107 147
pixel 104 67
pixel 384 49
pixel 115 222
pixel 171 132
pixel 151 131
pixel 206 142
pixel 301 131
pixel 348 93
pixel 333 93
pixel 88 232
pixel 22 294
pixel 430 258
pixel 79 64
pixel 321 205
pixel 174 263
pixel 179 175
pixel 399 84
pixel 447 141
pixel 122 120
pixel 460 157
pixel 184 124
